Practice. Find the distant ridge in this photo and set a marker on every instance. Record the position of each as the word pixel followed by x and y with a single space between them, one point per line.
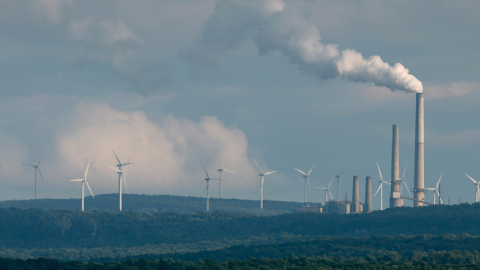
pixel 157 203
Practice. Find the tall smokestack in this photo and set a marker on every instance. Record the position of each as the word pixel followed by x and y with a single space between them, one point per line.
pixel 419 180
pixel 368 196
pixel 395 199
pixel 356 196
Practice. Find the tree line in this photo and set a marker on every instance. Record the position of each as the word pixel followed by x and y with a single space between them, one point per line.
pixel 293 262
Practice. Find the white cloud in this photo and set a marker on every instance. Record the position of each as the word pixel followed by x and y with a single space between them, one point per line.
pixel 166 156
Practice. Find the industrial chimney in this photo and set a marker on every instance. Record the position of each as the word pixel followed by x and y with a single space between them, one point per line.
pixel 395 199
pixel 368 196
pixel 356 196
pixel 419 180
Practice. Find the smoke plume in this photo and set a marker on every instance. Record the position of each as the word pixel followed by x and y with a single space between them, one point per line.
pixel 277 26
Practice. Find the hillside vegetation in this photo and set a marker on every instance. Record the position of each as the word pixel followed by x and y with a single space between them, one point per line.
pixel 157 203
pixel 294 263
pixel 67 234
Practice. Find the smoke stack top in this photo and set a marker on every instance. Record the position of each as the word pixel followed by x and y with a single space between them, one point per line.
pixel 276 26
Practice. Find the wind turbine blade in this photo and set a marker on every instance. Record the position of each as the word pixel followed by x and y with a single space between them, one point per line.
pixel 301 172
pixel 378 189
pixel 41 177
pixel 89 188
pixel 322 188
pixel 228 171
pixel 267 173
pixel 332 171
pixel 1 166
pixel 125 181
pixel 119 163
pixel 471 178
pixel 407 188
pixel 40 161
pixel 346 170
pixel 403 177
pixel 311 169
pixel 438 194
pixel 205 169
pixel 219 164
pixel 203 192
pixel 331 197
pixel 257 165
pixel 331 180
pixel 29 165
pixel 438 183
pixel 380 172
pixel 88 165
pixel 114 169
pixel 77 180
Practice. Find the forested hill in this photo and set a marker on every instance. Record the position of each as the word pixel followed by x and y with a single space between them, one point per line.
pixel 65 228
pixel 158 203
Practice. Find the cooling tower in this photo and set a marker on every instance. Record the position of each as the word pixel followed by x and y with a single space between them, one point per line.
pixel 368 196
pixel 356 196
pixel 419 180
pixel 395 199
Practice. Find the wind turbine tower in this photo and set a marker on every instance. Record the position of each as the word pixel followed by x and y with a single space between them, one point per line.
pixel 37 168
pixel 306 180
pixel 220 178
pixel 262 178
pixel 84 180
pixel 206 188
pixel 121 172
pixel 339 183
pixel 380 188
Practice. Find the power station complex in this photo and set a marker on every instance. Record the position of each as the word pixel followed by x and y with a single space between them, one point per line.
pixel 396 197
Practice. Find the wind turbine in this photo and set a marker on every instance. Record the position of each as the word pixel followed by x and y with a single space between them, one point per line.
pixel 306 180
pixel 327 189
pixel 380 188
pixel 262 176
pixel 339 183
pixel 121 172
pixel 403 180
pixel 206 188
pixel 477 193
pixel 435 190
pixel 220 177
pixel 36 168
pixel 84 180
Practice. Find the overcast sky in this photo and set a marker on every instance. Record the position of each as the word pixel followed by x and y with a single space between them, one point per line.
pixel 169 83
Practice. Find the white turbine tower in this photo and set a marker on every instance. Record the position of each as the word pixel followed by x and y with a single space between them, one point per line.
pixel 220 178
pixel 262 177
pixel 380 188
pixel 121 172
pixel 36 167
pixel 339 183
pixel 306 180
pixel 84 180
pixel 477 193
pixel 327 190
pixel 206 188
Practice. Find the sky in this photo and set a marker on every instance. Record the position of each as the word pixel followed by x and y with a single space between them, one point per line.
pixel 291 84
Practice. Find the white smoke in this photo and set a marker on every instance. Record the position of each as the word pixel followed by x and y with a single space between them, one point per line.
pixel 277 26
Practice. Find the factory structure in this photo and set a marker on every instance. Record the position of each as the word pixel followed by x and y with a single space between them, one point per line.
pixel 396 197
